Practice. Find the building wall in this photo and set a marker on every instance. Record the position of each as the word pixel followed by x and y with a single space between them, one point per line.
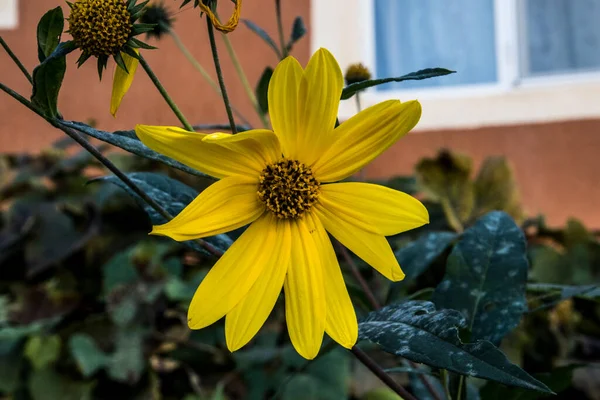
pixel 83 97
pixel 555 163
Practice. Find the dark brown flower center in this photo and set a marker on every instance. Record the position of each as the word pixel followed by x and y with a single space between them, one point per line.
pixel 288 188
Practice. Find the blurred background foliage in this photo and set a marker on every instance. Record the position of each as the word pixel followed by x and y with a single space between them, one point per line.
pixel 93 307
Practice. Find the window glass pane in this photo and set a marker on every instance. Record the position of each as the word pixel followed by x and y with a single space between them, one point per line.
pixel 416 34
pixel 562 36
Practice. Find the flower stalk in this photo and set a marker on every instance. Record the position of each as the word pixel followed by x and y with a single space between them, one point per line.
pixel 215 54
pixel 244 80
pixel 284 50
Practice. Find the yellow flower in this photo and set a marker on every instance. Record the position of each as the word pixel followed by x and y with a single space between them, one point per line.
pixel 281 183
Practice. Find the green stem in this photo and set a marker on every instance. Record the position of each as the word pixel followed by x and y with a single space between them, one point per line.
pixel 73 134
pixel 244 80
pixel 358 277
pixel 16 60
pixel 215 54
pixel 461 384
pixel 203 72
pixel 284 50
pixel 451 216
pixel 165 95
pixel 381 374
pixel 445 384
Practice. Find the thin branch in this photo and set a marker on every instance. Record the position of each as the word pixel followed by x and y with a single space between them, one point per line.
pixel 381 374
pixel 361 281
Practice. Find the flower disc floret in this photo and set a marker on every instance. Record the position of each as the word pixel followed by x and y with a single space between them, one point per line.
pixel 100 27
pixel 288 189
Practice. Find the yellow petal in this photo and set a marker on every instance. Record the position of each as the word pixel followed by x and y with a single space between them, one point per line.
pixel 341 324
pixel 372 248
pixel 225 205
pixel 245 319
pixel 284 104
pixel 374 208
pixel 228 282
pixel 320 93
pixel 122 81
pixel 261 145
pixel 305 306
pixel 247 155
pixel 364 137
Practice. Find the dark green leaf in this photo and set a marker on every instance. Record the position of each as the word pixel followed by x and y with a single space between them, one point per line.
pixel 262 90
pixel 11 363
pixel 324 379
pixel 416 331
pixel 47 80
pixel 87 355
pixel 46 384
pixel 550 294
pixel 427 73
pixel 49 30
pixel 558 380
pixel 263 35
pixel 118 272
pixel 566 291
pixel 298 32
pixel 127 362
pixel 172 195
pixel 415 257
pixel 128 141
pixel 54 237
pixel 485 277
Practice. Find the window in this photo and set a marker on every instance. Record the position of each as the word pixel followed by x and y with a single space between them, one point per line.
pixel 416 34
pixel 8 14
pixel 561 36
pixel 517 60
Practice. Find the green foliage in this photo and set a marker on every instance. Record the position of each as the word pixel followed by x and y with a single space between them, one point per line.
pixel 47 80
pixel 263 35
pixel 446 180
pixel 49 31
pixel 87 355
pixel 557 380
pixel 262 90
pixel 486 276
pixel 427 73
pixel 47 384
pixel 298 32
pixel 416 331
pixel 42 351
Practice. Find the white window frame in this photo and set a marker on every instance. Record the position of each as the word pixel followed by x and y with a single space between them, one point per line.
pixel 345 27
pixel 9 14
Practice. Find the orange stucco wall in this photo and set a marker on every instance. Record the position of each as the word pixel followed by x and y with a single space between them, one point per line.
pixel 556 164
